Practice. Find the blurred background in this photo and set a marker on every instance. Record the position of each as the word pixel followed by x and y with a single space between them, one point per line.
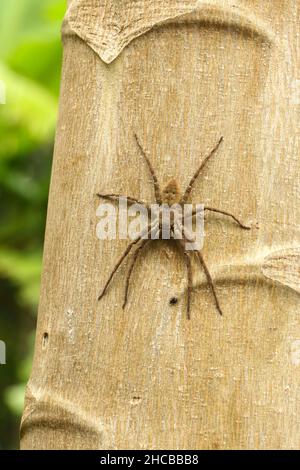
pixel 30 64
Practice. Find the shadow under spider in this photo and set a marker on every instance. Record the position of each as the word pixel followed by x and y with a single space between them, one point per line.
pixel 169 195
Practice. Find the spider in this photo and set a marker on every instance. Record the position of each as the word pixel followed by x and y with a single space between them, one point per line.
pixel 169 195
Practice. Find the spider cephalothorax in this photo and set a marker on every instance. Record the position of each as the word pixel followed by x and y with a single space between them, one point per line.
pixel 169 196
pixel 171 193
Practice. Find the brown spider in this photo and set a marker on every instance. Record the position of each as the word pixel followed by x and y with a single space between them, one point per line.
pixel 168 196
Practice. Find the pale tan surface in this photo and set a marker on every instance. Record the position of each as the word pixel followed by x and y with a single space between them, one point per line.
pixel 146 377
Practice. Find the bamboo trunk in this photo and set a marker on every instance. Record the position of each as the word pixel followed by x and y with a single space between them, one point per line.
pixel 180 74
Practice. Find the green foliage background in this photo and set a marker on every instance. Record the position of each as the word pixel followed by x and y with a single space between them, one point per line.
pixel 30 63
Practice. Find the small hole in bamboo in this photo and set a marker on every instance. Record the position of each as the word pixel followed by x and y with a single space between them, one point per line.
pixel 45 339
pixel 135 400
pixel 173 301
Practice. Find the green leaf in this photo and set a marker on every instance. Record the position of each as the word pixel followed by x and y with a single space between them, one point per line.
pixel 28 117
pixel 23 270
pixel 14 398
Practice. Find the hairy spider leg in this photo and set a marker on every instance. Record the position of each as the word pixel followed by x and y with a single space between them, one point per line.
pixel 192 181
pixel 212 209
pixel 157 190
pixel 122 258
pixel 189 277
pixel 218 211
pixel 190 283
pixel 115 197
pixel 134 260
pixel 210 281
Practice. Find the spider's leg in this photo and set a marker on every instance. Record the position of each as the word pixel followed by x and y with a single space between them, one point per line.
pixel 192 181
pixel 135 257
pixel 193 213
pixel 157 190
pixel 190 283
pixel 125 254
pixel 210 281
pixel 212 209
pixel 189 276
pixel 116 197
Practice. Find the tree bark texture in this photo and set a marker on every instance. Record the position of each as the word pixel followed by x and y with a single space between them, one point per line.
pixel 179 74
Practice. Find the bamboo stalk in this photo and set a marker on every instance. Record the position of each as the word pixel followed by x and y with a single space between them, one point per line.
pixel 179 75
